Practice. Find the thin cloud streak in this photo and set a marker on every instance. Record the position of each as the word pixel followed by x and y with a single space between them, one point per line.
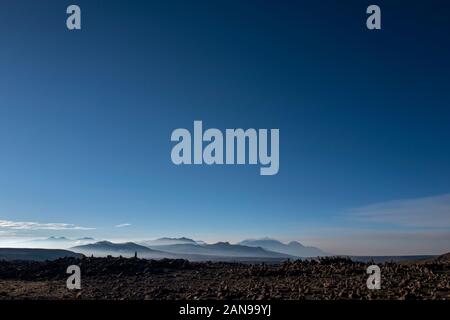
pixel 123 225
pixel 427 212
pixel 21 225
pixel 7 234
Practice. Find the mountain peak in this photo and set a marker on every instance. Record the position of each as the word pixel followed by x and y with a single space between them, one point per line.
pixel 167 241
pixel 103 242
pixel 295 244
pixel 53 238
pixel 292 248
pixel 222 243
pixel 183 239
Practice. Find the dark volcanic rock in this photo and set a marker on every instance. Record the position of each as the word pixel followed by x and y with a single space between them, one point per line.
pixel 121 278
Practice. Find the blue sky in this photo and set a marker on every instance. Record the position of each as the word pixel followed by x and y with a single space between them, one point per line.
pixel 86 118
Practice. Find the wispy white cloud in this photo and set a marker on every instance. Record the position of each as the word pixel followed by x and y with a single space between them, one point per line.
pixel 420 212
pixel 123 225
pixel 7 234
pixel 21 225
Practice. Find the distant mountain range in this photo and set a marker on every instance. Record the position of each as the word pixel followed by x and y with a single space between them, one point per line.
pixel 224 249
pixel 11 254
pixel 261 247
pixel 128 249
pixel 168 241
pixel 293 248
pixel 252 250
pixel 183 248
pixel 189 250
pixel 56 242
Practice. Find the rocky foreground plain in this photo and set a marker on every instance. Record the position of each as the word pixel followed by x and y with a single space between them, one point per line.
pixel 133 278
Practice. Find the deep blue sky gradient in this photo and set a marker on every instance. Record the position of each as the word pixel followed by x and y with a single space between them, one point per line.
pixel 86 116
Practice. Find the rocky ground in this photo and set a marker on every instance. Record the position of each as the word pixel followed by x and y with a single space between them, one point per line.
pixel 120 278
